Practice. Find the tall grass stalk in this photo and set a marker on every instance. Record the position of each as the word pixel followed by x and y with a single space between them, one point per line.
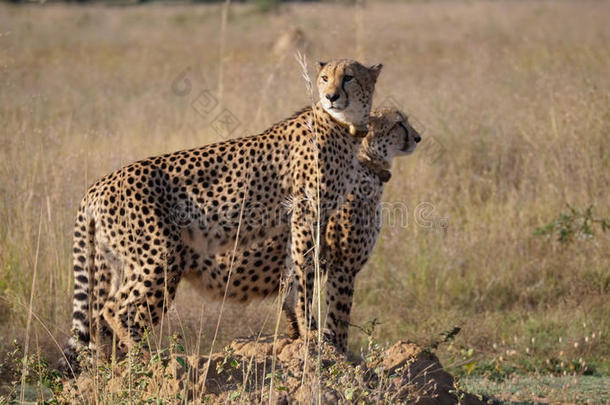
pixel 316 231
pixel 24 370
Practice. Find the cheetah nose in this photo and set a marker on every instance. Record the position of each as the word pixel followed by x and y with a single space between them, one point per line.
pixel 332 97
pixel 417 138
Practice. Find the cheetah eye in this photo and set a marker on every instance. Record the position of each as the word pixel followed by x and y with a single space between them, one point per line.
pixel 347 78
pixel 324 78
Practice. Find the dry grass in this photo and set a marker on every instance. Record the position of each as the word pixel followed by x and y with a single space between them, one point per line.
pixel 514 97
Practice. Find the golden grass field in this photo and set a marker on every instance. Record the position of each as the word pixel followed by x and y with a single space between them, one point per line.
pixel 514 100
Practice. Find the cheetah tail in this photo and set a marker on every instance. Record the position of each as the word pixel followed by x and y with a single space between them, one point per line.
pixel 84 266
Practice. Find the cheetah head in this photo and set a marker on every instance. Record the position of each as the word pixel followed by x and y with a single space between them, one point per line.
pixel 346 91
pixel 389 135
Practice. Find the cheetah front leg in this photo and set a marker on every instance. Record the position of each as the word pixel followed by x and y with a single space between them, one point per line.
pixel 339 298
pixel 291 286
pixel 303 231
pixel 302 253
pixel 290 302
pixel 289 289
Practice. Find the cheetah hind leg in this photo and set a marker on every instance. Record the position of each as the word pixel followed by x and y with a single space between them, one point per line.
pixel 120 319
pixel 129 320
pixel 142 308
pixel 101 335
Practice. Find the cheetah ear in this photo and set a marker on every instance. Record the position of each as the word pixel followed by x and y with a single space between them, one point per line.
pixel 398 116
pixel 401 117
pixel 375 70
pixel 321 65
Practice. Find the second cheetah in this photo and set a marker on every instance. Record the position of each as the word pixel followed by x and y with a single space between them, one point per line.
pixel 351 234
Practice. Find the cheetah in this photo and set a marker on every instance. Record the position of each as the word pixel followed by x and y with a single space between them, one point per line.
pixel 351 234
pixel 141 227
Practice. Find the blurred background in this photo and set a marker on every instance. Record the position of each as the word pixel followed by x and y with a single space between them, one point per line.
pixel 502 209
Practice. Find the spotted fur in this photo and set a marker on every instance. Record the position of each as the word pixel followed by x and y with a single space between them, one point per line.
pixel 141 228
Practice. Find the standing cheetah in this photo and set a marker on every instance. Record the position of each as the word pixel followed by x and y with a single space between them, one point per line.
pixel 351 234
pixel 140 228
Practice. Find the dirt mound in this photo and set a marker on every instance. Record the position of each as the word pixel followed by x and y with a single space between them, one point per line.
pixel 282 371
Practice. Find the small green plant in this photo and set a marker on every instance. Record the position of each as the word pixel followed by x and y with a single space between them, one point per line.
pixel 29 377
pixel 574 224
pixel 229 360
pixel 9 373
pixel 457 392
